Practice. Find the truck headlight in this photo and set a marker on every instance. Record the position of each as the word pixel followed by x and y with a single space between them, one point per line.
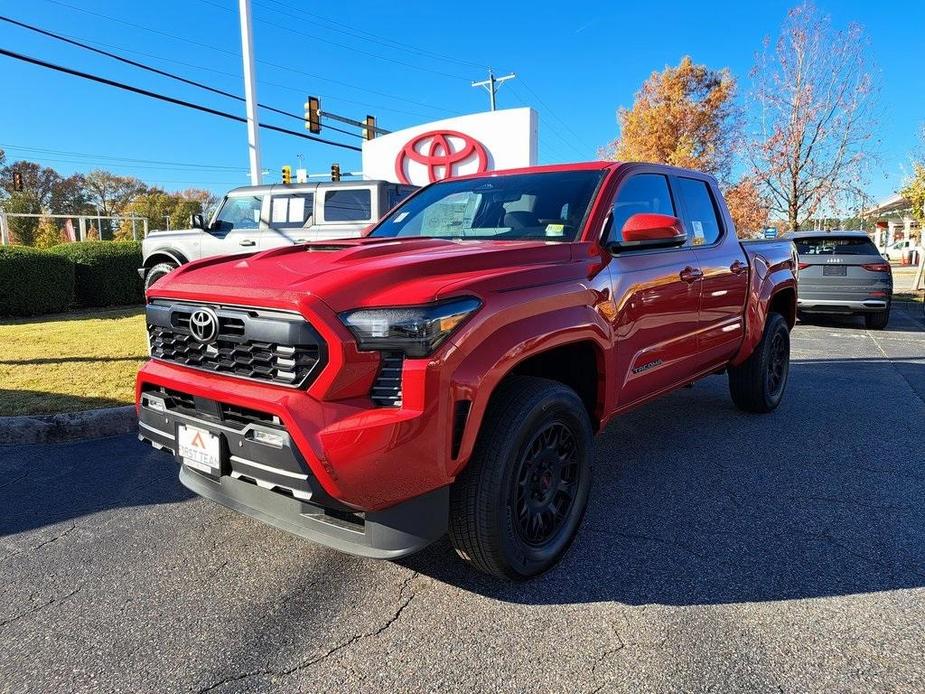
pixel 415 330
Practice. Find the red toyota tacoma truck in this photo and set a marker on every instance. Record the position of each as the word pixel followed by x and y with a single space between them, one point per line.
pixel 446 372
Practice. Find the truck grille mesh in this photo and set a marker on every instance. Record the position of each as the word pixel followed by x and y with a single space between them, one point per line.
pixel 386 390
pixel 234 352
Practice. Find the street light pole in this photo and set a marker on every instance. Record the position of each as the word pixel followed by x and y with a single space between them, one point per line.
pixel 250 90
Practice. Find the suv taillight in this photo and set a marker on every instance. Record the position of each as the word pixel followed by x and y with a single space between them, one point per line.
pixel 877 267
pixel 803 266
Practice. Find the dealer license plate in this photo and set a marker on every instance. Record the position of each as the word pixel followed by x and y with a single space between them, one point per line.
pixel 199 449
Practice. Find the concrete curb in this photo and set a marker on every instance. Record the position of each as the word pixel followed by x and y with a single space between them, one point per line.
pixel 68 426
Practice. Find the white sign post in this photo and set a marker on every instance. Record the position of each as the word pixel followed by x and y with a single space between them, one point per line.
pixel 505 139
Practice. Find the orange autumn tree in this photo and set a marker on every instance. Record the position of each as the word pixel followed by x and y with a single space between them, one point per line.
pixel 684 116
pixel 750 210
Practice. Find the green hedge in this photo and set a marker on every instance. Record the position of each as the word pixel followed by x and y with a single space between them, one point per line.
pixel 105 272
pixel 33 282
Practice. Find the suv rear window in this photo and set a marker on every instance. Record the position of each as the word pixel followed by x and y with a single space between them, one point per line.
pixel 348 205
pixel 835 245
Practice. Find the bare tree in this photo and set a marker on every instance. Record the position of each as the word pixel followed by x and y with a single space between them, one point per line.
pixel 814 96
pixel 111 193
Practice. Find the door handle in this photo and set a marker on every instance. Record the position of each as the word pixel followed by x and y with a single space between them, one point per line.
pixel 691 274
pixel 738 267
pixel 247 242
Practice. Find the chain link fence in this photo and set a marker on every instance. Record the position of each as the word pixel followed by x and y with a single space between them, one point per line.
pixel 30 229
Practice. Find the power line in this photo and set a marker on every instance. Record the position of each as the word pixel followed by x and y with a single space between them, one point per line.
pixel 129 160
pixel 567 142
pixel 96 162
pixel 352 49
pixel 163 73
pixel 168 99
pixel 262 62
pixel 369 36
pixel 552 113
pixel 237 77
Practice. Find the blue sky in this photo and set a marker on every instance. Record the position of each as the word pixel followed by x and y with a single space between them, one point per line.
pixel 576 63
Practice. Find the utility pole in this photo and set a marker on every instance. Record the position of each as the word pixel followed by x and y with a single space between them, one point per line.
pixel 493 84
pixel 250 90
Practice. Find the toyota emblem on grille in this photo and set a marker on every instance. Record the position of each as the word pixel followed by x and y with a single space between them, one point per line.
pixel 203 325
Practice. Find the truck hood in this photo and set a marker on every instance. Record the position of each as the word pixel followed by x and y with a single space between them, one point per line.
pixel 355 273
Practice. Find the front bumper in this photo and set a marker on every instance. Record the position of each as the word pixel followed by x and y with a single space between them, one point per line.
pixel 275 485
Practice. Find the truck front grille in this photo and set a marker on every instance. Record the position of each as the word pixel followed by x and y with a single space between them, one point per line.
pixel 269 346
pixel 386 390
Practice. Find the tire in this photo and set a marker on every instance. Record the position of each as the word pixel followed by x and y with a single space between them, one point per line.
pixel 516 507
pixel 878 320
pixel 156 272
pixel 758 384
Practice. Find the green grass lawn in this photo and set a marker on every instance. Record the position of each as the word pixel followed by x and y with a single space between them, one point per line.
pixel 70 361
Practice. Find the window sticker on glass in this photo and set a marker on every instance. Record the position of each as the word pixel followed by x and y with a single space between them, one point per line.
pixel 400 218
pixel 279 210
pixel 698 232
pixel 555 229
pixel 297 210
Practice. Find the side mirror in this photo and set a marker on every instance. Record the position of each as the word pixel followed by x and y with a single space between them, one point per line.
pixel 197 221
pixel 650 230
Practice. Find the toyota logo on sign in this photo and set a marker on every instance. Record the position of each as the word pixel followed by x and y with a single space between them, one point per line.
pixel 203 325
pixel 442 153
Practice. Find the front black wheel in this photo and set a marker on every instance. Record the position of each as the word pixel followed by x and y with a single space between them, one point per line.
pixel 516 508
pixel 156 272
pixel 757 384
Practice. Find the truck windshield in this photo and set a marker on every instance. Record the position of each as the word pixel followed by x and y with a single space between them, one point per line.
pixel 546 206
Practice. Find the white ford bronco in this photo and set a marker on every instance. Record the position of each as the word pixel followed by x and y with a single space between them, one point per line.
pixel 254 218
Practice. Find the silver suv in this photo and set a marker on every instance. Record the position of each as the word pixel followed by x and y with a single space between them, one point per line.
pixel 842 272
pixel 261 217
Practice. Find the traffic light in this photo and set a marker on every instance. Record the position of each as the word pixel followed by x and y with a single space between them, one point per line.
pixel 287 174
pixel 369 128
pixel 335 172
pixel 17 182
pixel 313 115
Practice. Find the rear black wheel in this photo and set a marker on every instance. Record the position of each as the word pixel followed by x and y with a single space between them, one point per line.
pixel 516 508
pixel 877 321
pixel 757 385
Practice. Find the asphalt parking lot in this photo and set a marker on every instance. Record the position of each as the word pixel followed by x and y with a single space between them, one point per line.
pixel 721 551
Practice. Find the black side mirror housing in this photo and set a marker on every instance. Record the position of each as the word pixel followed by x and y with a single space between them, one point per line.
pixel 197 221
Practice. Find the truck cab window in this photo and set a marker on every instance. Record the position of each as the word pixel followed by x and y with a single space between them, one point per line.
pixel 640 193
pixel 348 205
pixel 703 222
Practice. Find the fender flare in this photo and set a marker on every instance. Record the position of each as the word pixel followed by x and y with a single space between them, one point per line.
pixel 506 348
pixel 162 253
pixel 765 286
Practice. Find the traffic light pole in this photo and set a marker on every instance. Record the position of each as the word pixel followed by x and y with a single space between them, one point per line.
pixel 250 90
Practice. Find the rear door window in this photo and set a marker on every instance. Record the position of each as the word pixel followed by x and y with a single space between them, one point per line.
pixel 291 211
pixel 829 245
pixel 348 205
pixel 702 219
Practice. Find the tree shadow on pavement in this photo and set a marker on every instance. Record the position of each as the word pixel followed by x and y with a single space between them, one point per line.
pixel 48 483
pixel 694 502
